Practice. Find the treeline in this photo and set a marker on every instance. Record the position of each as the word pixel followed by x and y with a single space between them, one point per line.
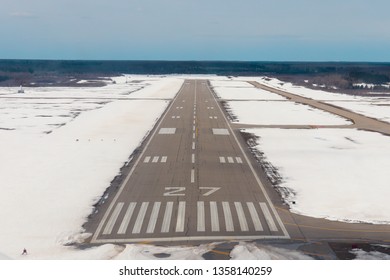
pixel 375 73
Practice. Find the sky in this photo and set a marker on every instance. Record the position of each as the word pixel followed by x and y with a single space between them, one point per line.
pixel 248 30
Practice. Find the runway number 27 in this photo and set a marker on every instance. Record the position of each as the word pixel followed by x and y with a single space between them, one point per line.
pixel 179 191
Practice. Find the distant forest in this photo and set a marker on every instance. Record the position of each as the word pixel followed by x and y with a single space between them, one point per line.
pixel 341 75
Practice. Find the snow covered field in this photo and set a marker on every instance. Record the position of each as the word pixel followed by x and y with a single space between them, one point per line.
pixel 50 181
pixel 370 106
pixel 281 113
pixel 326 173
pixel 338 174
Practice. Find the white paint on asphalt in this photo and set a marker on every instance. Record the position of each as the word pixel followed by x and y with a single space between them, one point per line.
pixel 155 159
pixel 193 158
pixel 222 159
pixel 254 216
pixel 167 217
pixel 193 145
pixel 114 216
pixel 230 160
pixel 153 217
pixel 147 159
pixel 214 216
pixel 193 176
pixel 201 217
pixel 181 213
pixel 164 159
pixel 220 131
pixel 239 160
pixel 241 216
pixel 228 216
pixel 140 218
pixel 127 217
pixel 166 130
pixel 268 217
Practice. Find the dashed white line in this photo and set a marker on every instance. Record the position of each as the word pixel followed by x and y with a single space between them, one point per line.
pixel 127 217
pixel 193 135
pixel 193 145
pixel 222 159
pixel 164 159
pixel 230 160
pixel 155 159
pixel 239 160
pixel 192 175
pixel 114 217
pixel 193 158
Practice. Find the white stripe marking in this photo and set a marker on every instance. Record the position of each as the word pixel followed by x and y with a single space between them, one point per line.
pixel 239 160
pixel 214 216
pixel 201 217
pixel 193 176
pixel 126 218
pixel 254 216
pixel 193 127
pixel 241 216
pixel 268 217
pixel 147 159
pixel 114 217
pixel 140 218
pixel 193 145
pixel 181 216
pixel 155 159
pixel 178 117
pixel 230 160
pixel 164 159
pixel 153 217
pixel 193 135
pixel 215 118
pixel 222 159
pixel 228 216
pixel 193 158
pixel 167 217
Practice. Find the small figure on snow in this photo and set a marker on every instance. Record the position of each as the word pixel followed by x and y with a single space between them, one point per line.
pixel 24 251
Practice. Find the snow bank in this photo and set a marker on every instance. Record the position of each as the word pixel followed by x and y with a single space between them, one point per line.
pixel 338 174
pixel 150 252
pixel 251 251
pixel 373 255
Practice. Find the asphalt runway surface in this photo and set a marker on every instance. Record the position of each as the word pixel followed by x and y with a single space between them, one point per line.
pixel 191 182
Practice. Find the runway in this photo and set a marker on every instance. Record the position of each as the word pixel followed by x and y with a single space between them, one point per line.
pixel 191 181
